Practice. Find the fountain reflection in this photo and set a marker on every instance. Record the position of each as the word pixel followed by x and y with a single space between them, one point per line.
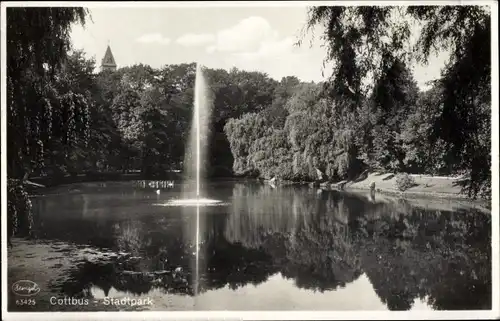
pixel 197 202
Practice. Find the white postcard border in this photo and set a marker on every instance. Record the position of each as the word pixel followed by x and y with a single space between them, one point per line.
pixel 260 315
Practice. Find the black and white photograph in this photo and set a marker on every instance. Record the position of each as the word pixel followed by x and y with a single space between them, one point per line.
pixel 250 160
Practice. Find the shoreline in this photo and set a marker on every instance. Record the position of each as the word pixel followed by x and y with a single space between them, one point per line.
pixel 429 187
pixel 50 182
pixel 441 202
pixel 426 187
pixel 430 195
pixel 432 188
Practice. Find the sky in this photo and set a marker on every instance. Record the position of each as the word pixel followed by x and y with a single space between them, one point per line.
pixel 248 38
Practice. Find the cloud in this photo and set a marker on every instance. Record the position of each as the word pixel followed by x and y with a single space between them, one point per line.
pixel 279 57
pixel 253 44
pixel 246 36
pixel 211 49
pixel 153 38
pixel 192 39
pixel 272 48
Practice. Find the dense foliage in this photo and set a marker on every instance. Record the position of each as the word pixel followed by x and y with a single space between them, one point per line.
pixel 47 114
pixel 370 114
pixel 444 130
pixel 64 119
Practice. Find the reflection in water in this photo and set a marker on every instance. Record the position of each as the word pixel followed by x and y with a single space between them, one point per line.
pixel 129 237
pixel 283 292
pixel 274 249
pixel 197 258
pixel 195 202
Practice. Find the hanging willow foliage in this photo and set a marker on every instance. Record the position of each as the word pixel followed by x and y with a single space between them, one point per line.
pixel 40 108
pixel 364 42
pixel 20 216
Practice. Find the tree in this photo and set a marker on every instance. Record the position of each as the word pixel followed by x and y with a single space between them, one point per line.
pixel 361 39
pixel 464 123
pixel 277 112
pixel 392 100
pixel 241 133
pixel 39 112
pixel 38 39
pixel 425 153
pixel 158 136
pixel 75 77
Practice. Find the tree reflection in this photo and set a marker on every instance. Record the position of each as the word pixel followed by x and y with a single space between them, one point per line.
pixel 426 261
pixel 321 241
pixel 407 252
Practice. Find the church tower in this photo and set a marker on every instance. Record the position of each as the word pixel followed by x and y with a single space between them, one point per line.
pixel 108 62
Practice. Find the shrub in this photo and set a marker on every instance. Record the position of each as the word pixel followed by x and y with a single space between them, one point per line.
pixel 404 181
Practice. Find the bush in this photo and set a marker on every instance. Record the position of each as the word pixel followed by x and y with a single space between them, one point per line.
pixel 404 181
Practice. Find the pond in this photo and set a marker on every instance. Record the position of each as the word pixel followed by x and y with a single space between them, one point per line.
pixel 113 246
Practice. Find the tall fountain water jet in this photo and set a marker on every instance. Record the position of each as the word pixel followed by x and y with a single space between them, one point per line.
pixel 194 167
pixel 195 155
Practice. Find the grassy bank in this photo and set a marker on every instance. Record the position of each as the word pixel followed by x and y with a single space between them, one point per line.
pixel 433 193
pixel 435 186
pixel 425 187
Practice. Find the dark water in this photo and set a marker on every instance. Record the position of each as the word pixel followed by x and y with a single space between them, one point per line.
pixel 269 249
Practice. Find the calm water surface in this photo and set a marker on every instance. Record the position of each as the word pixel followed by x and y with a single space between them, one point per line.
pixel 266 249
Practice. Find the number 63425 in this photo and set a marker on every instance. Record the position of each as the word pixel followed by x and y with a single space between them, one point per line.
pixel 25 302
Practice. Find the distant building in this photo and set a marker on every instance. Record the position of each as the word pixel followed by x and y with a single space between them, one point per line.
pixel 108 62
